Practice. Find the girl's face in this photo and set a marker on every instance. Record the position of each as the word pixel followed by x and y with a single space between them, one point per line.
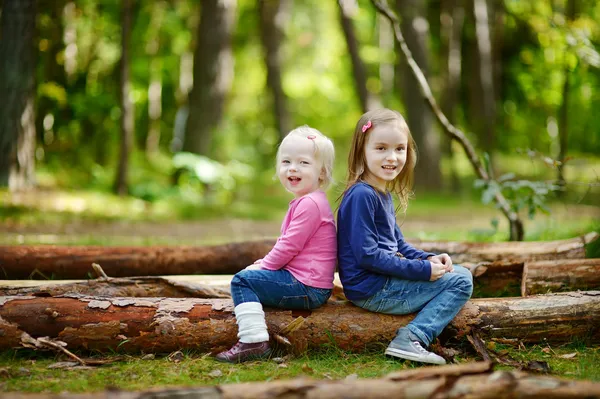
pixel 298 170
pixel 385 154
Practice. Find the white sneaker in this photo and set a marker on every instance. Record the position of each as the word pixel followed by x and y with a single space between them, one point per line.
pixel 407 346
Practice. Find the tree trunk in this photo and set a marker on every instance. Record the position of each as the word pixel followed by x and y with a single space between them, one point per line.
pixel 274 15
pixel 213 74
pixel 451 22
pixel 368 100
pixel 51 261
pixel 563 130
pixel 17 94
pixel 486 74
pixel 474 380
pixel 121 185
pixel 168 324
pixel 137 287
pixel 415 27
pixel 560 275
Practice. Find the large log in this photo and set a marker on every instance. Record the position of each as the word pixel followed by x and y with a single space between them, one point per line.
pixel 470 380
pixel 75 262
pixel 64 262
pixel 145 286
pixel 167 324
pixel 475 252
pixel 512 278
pixel 564 275
pixel 500 278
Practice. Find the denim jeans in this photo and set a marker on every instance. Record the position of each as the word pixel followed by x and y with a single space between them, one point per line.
pixel 276 288
pixel 436 301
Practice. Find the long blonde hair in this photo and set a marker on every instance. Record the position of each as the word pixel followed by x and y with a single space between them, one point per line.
pixel 403 183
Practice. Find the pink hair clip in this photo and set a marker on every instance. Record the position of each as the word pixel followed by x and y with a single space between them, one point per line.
pixel 311 137
pixel 366 126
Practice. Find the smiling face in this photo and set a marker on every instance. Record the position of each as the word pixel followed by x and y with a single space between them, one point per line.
pixel 298 169
pixel 385 154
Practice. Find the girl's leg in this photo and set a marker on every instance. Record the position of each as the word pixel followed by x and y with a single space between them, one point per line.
pixel 250 289
pixel 275 288
pixel 437 302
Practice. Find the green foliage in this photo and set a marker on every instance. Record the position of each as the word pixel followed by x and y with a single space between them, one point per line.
pixel 520 194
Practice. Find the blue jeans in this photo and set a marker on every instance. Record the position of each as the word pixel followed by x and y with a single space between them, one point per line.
pixel 276 288
pixel 436 301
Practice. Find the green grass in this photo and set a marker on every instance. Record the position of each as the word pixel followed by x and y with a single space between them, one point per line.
pixel 28 371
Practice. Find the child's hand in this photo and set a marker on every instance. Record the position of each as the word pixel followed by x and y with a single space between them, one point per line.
pixel 258 261
pixel 437 269
pixel 445 260
pixel 255 266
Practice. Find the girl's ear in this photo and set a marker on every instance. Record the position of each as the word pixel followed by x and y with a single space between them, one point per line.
pixel 322 175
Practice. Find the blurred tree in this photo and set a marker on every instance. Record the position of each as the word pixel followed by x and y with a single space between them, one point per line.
pixel 451 25
pixel 563 123
pixel 483 38
pixel 274 15
pixel 153 44
pixel 368 100
pixel 127 110
pixel 213 74
pixel 17 94
pixel 415 29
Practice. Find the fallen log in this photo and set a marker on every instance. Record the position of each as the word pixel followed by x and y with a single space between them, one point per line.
pixel 500 278
pixel 470 380
pixel 145 286
pixel 565 275
pixel 168 324
pixel 475 252
pixel 74 262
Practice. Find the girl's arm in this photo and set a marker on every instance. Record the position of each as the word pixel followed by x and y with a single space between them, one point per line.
pixel 363 237
pixel 304 222
pixel 407 250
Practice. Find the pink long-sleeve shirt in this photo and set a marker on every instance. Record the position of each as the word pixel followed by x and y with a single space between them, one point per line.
pixel 307 247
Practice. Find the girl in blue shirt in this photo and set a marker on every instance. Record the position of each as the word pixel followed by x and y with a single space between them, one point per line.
pixel 380 272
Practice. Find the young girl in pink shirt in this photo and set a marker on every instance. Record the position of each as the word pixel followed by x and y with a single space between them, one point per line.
pixel 298 272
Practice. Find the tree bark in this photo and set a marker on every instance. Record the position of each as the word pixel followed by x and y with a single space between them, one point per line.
pixel 560 275
pixel 273 17
pixel 64 262
pixel 17 94
pixel 49 261
pixel 213 74
pixel 137 287
pixel 368 100
pixel 121 185
pixel 168 324
pixel 475 380
pixel 415 27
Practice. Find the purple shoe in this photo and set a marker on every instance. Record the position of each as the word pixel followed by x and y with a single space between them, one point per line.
pixel 242 352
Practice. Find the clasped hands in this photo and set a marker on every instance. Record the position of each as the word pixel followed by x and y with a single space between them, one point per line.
pixel 440 265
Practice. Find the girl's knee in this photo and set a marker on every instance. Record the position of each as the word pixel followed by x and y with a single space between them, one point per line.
pixel 240 277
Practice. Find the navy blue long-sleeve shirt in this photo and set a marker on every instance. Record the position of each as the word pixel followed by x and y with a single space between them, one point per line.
pixel 368 242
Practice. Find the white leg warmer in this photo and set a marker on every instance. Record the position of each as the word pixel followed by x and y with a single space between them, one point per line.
pixel 252 326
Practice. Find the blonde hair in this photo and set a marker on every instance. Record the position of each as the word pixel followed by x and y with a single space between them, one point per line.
pixel 357 164
pixel 324 151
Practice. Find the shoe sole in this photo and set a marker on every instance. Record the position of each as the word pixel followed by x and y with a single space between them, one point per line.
pixel 410 356
pixel 250 358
